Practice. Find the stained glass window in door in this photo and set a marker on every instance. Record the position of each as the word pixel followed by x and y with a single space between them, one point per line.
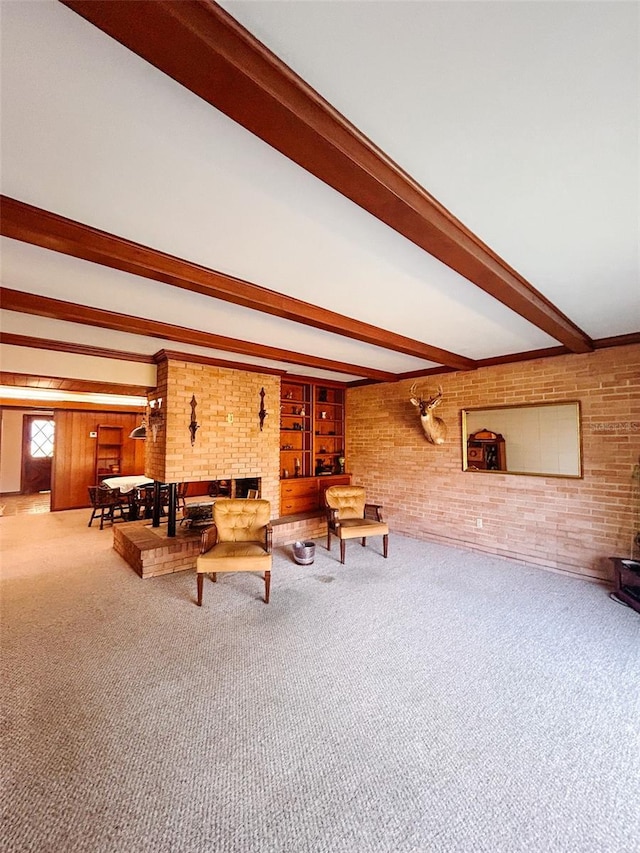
pixel 41 439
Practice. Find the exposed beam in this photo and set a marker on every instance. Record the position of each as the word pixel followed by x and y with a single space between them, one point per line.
pixel 48 230
pixel 202 47
pixel 44 306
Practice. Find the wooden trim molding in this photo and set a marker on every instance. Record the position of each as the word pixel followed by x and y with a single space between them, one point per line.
pixel 550 352
pixel 205 49
pixel 44 306
pixel 191 358
pixel 315 380
pixel 417 374
pixel 48 230
pixel 78 349
pixel 63 383
pixel 617 341
pixel 67 405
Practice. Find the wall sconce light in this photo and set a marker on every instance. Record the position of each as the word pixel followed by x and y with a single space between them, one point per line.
pixel 194 426
pixel 156 416
pixel 262 414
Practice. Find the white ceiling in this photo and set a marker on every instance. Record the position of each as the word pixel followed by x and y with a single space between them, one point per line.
pixel 521 118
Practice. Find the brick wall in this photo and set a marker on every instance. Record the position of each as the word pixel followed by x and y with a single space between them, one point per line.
pixel 155 451
pixel 571 525
pixel 222 449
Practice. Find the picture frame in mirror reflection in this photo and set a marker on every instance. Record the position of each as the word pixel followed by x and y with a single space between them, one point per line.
pixel 536 439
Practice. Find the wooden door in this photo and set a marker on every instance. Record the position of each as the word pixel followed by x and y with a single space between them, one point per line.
pixel 37 452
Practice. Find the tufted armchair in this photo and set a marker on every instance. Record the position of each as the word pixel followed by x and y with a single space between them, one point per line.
pixel 349 517
pixel 239 541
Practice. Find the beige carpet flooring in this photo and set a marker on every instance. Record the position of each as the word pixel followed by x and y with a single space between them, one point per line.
pixel 439 701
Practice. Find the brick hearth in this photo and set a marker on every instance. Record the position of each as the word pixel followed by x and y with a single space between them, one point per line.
pixel 150 552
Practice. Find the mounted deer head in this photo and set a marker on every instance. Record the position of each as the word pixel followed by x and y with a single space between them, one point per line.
pixel 434 428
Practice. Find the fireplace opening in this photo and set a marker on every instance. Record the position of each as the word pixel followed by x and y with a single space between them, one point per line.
pixel 246 485
pixel 234 488
pixel 200 512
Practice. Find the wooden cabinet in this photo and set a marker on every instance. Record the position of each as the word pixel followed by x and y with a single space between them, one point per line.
pixel 328 427
pixel 295 429
pixel 306 494
pixel 311 444
pixel 109 444
pixel 298 495
pixel 486 451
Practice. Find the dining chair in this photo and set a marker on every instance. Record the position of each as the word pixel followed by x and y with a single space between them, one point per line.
pixel 181 494
pixel 107 505
pixel 145 500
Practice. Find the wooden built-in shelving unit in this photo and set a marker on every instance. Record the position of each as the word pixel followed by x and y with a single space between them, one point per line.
pixel 108 451
pixel 312 445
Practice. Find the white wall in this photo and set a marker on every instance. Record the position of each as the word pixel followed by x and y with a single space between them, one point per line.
pixel 40 362
pixel 11 446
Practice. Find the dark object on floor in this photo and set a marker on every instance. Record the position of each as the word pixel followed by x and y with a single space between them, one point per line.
pixel 626 581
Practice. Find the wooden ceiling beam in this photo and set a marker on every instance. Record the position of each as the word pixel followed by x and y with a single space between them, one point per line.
pixel 44 306
pixel 48 230
pixel 206 50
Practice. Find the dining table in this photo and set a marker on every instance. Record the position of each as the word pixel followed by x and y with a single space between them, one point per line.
pixel 130 486
pixel 127 484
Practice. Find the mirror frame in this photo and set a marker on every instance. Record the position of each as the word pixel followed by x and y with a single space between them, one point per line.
pixel 489 408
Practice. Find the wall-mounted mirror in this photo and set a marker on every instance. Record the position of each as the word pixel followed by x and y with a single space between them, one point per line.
pixel 542 439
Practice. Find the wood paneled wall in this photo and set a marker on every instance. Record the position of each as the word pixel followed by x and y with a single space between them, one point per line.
pixel 74 461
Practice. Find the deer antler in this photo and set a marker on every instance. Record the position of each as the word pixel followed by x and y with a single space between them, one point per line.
pixel 437 396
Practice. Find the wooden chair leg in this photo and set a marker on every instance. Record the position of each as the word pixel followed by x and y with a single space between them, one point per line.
pixel 385 544
pixel 267 586
pixel 214 577
pixel 328 539
pixel 363 541
pixel 342 550
pixel 200 585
